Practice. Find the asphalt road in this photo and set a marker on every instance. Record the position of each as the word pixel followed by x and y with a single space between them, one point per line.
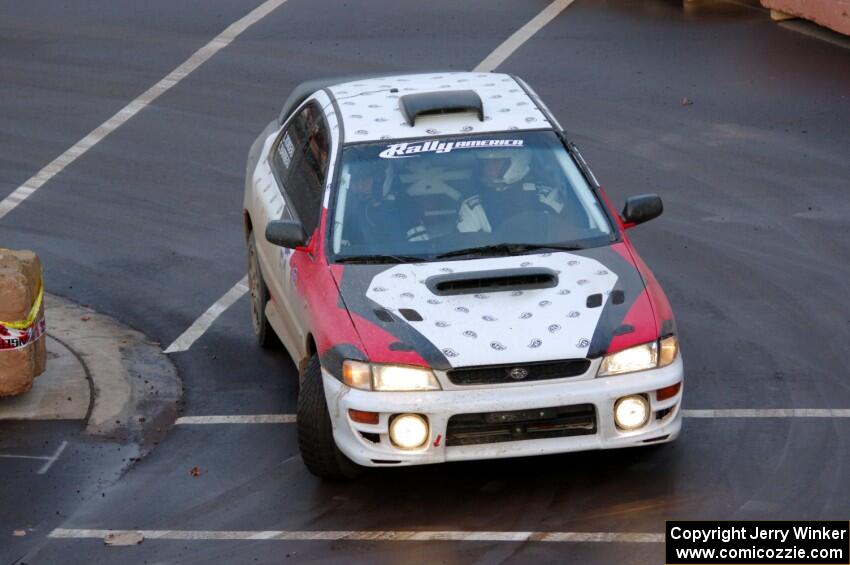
pixel 753 251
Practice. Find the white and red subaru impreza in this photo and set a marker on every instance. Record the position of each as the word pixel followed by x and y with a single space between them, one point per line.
pixel 452 282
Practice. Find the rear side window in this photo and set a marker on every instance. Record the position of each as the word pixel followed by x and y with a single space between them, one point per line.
pixel 284 154
pixel 300 159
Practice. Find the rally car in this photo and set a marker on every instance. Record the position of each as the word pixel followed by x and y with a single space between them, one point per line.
pixel 453 284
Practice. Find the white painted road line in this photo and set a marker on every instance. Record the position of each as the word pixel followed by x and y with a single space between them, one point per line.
pixel 203 323
pixel 718 414
pixel 520 36
pixel 381 535
pixel 255 419
pixel 48 461
pixel 52 459
pixel 769 413
pixel 200 56
pixel 493 60
pixel 41 457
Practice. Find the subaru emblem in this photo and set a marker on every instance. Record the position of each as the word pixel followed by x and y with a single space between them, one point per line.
pixel 518 373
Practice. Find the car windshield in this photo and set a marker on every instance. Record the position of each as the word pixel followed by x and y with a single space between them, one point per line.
pixel 483 194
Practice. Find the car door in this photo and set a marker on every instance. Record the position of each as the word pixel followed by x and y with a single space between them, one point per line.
pixel 300 157
pixel 272 203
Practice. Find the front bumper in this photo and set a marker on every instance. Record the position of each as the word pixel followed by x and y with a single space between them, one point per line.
pixel 357 441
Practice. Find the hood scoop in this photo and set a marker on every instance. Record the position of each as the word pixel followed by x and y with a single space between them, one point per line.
pixel 495 280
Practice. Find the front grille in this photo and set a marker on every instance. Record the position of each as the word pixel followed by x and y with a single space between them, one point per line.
pixel 498 374
pixel 518 425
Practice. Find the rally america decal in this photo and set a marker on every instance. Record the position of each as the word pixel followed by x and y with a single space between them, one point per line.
pixel 401 150
pixel 500 327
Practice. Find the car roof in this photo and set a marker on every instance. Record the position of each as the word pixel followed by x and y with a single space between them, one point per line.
pixel 370 109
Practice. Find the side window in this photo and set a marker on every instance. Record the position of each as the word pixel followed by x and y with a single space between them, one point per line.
pixel 283 155
pixel 306 172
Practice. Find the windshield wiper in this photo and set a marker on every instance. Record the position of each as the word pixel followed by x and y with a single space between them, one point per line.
pixel 509 249
pixel 380 259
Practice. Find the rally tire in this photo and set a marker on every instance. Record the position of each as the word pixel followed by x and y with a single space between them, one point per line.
pixel 315 432
pixel 258 294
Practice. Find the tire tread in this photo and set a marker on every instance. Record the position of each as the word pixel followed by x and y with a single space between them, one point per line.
pixel 315 432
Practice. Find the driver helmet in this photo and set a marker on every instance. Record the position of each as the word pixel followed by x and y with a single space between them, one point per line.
pixel 516 162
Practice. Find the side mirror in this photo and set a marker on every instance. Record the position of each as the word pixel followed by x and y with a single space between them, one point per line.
pixel 642 208
pixel 286 233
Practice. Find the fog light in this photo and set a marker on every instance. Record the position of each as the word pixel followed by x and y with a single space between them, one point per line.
pixel 631 412
pixel 409 431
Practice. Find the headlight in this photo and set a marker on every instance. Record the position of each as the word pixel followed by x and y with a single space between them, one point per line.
pixel 366 376
pixel 641 357
pixel 638 358
pixel 399 377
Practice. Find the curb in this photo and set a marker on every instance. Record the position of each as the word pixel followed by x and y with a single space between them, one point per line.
pixel 831 14
pixel 135 389
pixel 61 392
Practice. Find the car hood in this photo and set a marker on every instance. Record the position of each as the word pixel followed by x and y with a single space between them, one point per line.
pixel 445 312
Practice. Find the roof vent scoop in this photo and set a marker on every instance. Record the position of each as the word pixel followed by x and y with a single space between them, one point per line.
pixel 446 102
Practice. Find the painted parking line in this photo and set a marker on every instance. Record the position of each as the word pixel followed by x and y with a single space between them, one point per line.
pixel 173 78
pixel 255 419
pixel 493 60
pixel 203 323
pixel 367 535
pixel 48 460
pixel 718 414
pixel 52 459
pixel 520 36
pixel 769 413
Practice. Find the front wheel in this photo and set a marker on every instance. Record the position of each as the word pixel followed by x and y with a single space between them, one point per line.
pixel 315 432
pixel 263 331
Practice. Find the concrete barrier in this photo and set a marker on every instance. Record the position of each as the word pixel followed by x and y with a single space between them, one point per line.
pixel 834 14
pixel 23 353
